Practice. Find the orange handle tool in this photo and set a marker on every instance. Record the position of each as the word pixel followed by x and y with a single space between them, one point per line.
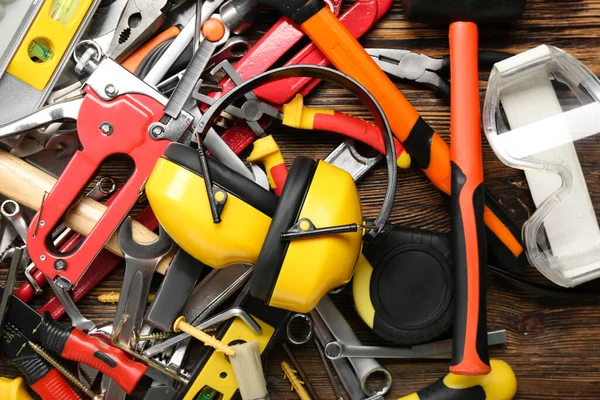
pixel 470 353
pixel 425 146
pixel 132 62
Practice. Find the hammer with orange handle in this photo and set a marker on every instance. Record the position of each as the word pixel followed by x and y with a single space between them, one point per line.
pixel 470 353
pixel 425 146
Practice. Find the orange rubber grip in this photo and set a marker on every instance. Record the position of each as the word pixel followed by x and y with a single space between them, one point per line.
pixel 132 62
pixel 425 146
pixel 470 352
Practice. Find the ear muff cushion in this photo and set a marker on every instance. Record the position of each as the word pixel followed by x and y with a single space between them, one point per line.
pixel 223 176
pixel 273 251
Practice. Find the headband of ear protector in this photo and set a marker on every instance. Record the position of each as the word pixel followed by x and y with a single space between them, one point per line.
pixel 307 245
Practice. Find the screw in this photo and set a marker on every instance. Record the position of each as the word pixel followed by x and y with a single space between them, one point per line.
pixel 42 353
pixel 110 90
pixel 157 130
pixel 106 128
pixel 136 338
pixel 60 265
pixel 42 223
pixel 42 258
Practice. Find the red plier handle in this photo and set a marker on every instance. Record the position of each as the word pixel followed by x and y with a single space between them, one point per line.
pixel 266 151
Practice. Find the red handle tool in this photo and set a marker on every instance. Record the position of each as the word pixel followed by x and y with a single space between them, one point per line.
pixel 75 345
pixel 47 382
pixel 128 118
pixel 102 265
pixel 470 352
pixel 277 41
pixel 359 18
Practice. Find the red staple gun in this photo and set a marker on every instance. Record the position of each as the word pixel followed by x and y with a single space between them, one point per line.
pixel 118 114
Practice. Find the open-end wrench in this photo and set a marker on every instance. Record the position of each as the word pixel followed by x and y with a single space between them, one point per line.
pixel 12 212
pixel 440 350
pixel 343 368
pixel 140 262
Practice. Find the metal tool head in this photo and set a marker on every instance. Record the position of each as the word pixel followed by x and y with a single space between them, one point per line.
pixel 139 20
pixel 405 64
pixel 292 336
pixel 448 11
pixel 143 251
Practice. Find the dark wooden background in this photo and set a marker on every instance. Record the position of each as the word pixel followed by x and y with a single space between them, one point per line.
pixel 552 344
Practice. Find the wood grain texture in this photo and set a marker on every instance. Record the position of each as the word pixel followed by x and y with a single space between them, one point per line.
pixel 553 344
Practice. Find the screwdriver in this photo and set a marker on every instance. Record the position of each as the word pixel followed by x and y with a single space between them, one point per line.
pixel 499 384
pixel 14 389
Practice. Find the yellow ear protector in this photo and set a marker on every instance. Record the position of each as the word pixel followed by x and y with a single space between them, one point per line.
pixel 177 195
pixel 315 236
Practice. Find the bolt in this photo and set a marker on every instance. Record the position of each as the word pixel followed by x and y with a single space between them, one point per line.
pixel 110 90
pixel 106 128
pixel 42 258
pixel 42 223
pixel 60 265
pixel 157 130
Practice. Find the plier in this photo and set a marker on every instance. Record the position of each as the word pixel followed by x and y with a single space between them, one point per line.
pixel 138 22
pixel 429 71
pixel 294 114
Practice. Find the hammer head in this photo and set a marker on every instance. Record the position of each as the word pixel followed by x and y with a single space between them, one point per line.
pixel 478 11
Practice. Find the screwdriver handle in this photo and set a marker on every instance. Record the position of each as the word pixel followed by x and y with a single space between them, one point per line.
pixel 266 151
pixel 14 389
pixel 499 384
pixel 470 353
pixel 43 379
pixel 75 345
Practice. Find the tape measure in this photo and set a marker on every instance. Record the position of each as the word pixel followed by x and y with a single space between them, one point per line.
pixel 403 287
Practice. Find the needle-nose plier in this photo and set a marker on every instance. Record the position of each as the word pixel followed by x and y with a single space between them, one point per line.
pixel 429 71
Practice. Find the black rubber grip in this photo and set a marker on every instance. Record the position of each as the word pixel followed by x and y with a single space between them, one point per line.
pixel 54 334
pixel 32 366
pixel 175 289
pixel 462 239
pixel 439 391
pixel 447 11
pixel 297 10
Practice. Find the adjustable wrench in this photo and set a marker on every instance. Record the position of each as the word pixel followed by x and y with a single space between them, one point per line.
pixel 140 262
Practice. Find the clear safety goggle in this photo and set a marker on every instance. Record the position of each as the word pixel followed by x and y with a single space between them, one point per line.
pixel 542 115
